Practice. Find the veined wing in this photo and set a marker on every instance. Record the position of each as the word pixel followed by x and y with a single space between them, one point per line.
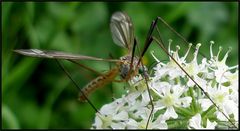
pixel 59 55
pixel 122 30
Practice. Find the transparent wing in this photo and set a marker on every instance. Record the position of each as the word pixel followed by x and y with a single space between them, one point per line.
pixel 122 30
pixel 59 55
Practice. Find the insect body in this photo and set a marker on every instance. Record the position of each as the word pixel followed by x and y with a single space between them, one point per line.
pixel 100 81
pixel 122 69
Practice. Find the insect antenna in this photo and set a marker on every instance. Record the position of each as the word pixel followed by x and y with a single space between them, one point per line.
pixel 76 85
pixel 160 43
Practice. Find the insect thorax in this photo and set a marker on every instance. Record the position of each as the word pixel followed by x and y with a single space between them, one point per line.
pixel 125 67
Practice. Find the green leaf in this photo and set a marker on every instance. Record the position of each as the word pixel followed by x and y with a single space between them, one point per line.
pixel 9 119
pixel 19 74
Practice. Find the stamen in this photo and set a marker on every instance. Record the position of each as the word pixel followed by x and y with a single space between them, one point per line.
pixel 229 48
pixel 219 50
pixel 169 48
pixel 152 53
pixel 233 67
pixel 211 51
pixel 177 48
pixel 226 55
pixel 169 45
pixel 189 47
pixel 171 53
pixel 176 53
pixel 196 51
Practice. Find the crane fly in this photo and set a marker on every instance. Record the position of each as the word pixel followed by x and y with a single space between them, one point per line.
pixel 127 66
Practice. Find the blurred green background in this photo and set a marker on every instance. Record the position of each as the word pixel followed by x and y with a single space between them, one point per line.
pixel 37 94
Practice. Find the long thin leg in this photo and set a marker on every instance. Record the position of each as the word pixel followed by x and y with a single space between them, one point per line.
pixel 90 69
pixel 83 66
pixel 69 76
pixel 146 79
pixel 153 26
pixel 175 32
pixel 149 94
pixel 110 67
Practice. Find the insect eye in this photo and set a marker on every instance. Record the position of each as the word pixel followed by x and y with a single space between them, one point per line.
pixel 140 70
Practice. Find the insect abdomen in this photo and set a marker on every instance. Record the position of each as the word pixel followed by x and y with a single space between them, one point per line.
pixel 100 81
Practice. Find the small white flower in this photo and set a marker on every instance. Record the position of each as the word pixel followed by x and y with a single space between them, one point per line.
pixel 196 123
pixel 110 114
pixel 159 123
pixel 219 67
pixel 233 80
pixel 170 97
pixel 222 98
pixel 171 68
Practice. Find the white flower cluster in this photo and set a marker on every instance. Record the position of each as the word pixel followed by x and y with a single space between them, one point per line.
pixel 178 101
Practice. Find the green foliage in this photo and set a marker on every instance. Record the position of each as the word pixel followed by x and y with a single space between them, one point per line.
pixel 37 94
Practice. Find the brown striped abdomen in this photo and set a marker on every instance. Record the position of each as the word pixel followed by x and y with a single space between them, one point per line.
pixel 100 81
